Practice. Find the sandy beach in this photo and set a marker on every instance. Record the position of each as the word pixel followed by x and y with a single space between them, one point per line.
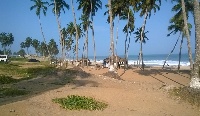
pixel 137 93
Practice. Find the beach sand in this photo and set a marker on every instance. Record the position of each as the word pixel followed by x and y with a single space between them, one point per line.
pixel 137 93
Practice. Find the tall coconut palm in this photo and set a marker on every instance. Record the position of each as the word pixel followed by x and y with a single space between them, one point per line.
pixel 187 33
pixel 89 8
pixel 142 39
pixel 59 5
pixel 145 7
pixel 128 29
pixel 111 36
pixel 39 5
pixel 122 10
pixel 195 81
pixel 85 26
pixel 75 25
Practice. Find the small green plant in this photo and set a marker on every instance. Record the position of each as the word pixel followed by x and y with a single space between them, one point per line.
pixel 4 92
pixel 75 102
pixel 7 79
pixel 186 94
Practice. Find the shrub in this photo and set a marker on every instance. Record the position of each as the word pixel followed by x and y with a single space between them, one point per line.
pixel 75 102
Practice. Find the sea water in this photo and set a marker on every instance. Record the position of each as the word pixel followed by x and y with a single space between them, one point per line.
pixel 153 60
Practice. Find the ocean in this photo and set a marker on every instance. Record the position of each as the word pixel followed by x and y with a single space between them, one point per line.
pixel 153 60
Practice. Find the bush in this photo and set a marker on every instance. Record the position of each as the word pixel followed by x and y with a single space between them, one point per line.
pixel 75 102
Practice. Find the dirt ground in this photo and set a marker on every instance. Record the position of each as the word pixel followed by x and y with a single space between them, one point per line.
pixel 138 93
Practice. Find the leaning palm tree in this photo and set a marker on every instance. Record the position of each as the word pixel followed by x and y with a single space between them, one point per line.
pixel 142 39
pixel 182 8
pixel 195 81
pixel 177 25
pixel 59 5
pixel 89 8
pixel 39 5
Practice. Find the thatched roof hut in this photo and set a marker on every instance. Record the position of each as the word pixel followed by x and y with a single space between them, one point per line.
pixel 115 59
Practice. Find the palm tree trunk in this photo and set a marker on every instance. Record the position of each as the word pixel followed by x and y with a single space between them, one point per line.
pixel 87 44
pixel 111 37
pixel 117 36
pixel 179 61
pixel 187 34
pixel 143 28
pixel 59 30
pixel 43 35
pixel 195 81
pixel 141 56
pixel 75 29
pixel 127 34
pixel 93 33
pixel 171 51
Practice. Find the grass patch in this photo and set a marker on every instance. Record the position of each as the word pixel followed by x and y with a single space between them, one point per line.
pixel 11 92
pixel 75 102
pixel 7 79
pixel 18 59
pixel 186 94
pixel 14 70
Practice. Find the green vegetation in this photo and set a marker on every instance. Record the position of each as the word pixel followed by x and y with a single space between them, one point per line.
pixel 75 102
pixel 15 70
pixel 186 94
pixel 11 92
pixel 18 59
pixel 7 79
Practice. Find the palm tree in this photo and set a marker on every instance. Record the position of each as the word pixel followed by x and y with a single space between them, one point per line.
pixel 6 39
pixel 35 44
pixel 53 47
pixel 43 49
pixel 142 39
pixel 121 9
pixel 195 81
pixel 145 7
pixel 59 5
pixel 177 25
pixel 28 43
pixel 75 25
pixel 89 8
pixel 40 6
pixel 111 36
pixel 85 26
pixel 187 33
pixel 128 29
pixel 22 45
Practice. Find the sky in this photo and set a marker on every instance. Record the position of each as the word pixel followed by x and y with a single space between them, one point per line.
pixel 16 18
